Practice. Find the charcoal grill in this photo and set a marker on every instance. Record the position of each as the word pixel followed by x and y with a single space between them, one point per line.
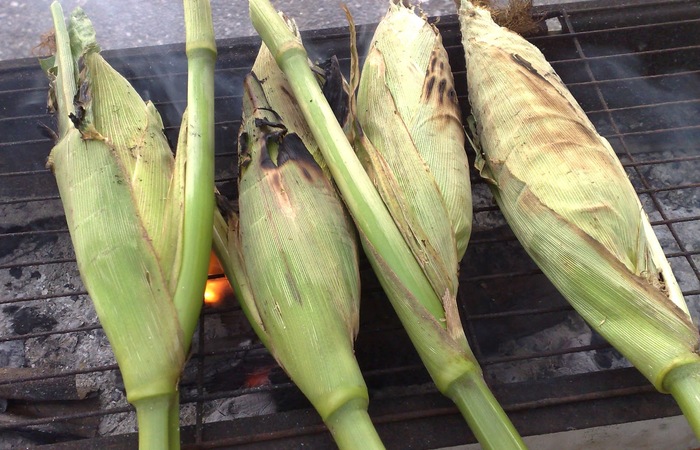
pixel 635 69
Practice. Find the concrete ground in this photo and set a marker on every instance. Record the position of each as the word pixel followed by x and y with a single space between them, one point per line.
pixel 138 23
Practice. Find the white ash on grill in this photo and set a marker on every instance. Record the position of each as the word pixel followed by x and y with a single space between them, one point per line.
pixel 56 351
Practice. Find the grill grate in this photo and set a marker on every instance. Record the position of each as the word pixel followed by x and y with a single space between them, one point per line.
pixel 636 72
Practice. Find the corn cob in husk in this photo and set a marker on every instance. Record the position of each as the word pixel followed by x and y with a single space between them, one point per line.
pixel 408 109
pixel 293 254
pixel 123 193
pixel 432 324
pixel 411 142
pixel 568 200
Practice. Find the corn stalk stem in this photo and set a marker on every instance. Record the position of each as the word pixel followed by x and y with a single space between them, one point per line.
pixel 67 76
pixel 199 178
pixel 153 416
pixel 483 413
pixel 352 427
pixel 683 382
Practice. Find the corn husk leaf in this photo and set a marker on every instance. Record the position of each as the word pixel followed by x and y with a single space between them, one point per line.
pixel 412 146
pixel 292 254
pixel 568 200
pixel 122 193
pixel 407 98
pixel 291 223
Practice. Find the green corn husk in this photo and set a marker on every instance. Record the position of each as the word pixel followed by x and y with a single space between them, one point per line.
pixel 124 195
pixel 568 200
pixel 432 325
pixel 292 257
pixel 408 109
pixel 412 147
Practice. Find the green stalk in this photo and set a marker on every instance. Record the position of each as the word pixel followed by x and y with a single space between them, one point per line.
pixel 67 76
pixel 115 172
pixel 199 178
pixel 483 413
pixel 153 416
pixel 683 382
pixel 352 427
pixel 447 358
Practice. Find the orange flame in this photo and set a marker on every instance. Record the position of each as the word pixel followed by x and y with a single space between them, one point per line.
pixel 217 288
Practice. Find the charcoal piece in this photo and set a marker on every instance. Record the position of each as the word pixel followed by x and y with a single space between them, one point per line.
pixel 19 416
pixel 16 272
pixel 13 386
pixel 9 243
pixel 29 320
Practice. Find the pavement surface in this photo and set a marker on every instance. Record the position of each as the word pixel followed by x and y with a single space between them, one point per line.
pixel 137 23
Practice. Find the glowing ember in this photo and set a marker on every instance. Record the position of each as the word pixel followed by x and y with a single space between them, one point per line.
pixel 217 288
pixel 214 265
pixel 259 377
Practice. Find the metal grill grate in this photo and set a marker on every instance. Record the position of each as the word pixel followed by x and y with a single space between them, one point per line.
pixel 636 71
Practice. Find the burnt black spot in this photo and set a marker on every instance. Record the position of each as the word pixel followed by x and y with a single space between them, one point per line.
pixel 242 143
pixel 81 99
pixel 452 95
pixel 429 87
pixel 243 152
pixel 264 122
pixel 286 92
pixel 293 148
pixel 306 174
pixel 28 320
pixel 526 64
pixel 271 138
pixel 254 76
pixel 442 87
pixel 77 118
pixel 333 89
pixel 228 208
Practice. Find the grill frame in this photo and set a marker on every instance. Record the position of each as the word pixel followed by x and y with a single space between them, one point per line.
pixel 536 407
